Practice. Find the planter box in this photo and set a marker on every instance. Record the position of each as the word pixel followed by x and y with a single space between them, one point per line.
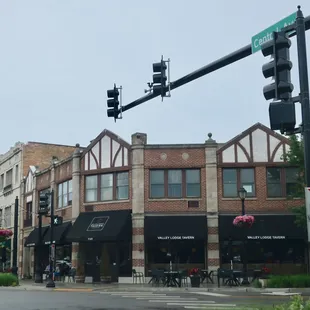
pixel 195 281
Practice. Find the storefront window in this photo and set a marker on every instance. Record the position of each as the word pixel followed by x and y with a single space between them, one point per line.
pixel 182 252
pixel 264 252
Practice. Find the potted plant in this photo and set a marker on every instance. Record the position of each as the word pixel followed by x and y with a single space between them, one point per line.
pixel 195 277
pixel 264 276
pixel 244 221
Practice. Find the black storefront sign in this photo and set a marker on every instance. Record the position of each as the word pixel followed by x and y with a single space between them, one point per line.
pixel 265 227
pixel 102 226
pixel 266 237
pixel 165 228
pixel 176 237
pixel 98 223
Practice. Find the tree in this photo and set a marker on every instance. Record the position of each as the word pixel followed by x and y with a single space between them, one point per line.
pixel 295 157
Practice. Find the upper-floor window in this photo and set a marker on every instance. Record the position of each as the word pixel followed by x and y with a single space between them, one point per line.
pixel 107 187
pixel 235 178
pixel 9 177
pixel 7 217
pixel 29 210
pixel 16 174
pixel 1 182
pixel 281 182
pixel 175 183
pixel 64 194
pixel 1 221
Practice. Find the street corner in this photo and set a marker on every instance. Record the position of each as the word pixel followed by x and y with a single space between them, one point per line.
pixel 78 289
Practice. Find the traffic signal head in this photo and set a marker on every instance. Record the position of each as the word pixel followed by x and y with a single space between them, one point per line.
pixel 43 203
pixel 278 68
pixel 282 116
pixel 159 78
pixel 57 220
pixel 113 103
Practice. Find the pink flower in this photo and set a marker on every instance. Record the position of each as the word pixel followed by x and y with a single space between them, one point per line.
pixel 243 219
pixel 6 233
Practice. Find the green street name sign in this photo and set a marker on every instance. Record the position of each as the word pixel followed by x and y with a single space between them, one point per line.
pixel 266 35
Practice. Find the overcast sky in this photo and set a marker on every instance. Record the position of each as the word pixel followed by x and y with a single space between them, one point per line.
pixel 58 58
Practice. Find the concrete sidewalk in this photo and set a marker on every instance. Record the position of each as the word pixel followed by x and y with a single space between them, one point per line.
pixel 75 287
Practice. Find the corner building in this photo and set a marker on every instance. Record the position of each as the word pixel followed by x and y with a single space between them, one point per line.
pixel 139 206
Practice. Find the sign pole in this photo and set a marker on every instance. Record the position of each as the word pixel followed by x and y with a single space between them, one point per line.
pixel 51 282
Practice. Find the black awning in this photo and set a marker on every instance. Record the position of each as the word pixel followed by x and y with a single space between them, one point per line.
pixel 59 234
pixel 33 238
pixel 101 226
pixel 175 228
pixel 265 227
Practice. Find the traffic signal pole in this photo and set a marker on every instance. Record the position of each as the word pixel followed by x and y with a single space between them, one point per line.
pixel 213 66
pixel 50 282
pixel 38 267
pixel 304 89
pixel 14 265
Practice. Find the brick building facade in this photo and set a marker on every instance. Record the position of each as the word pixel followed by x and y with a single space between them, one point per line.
pixel 172 193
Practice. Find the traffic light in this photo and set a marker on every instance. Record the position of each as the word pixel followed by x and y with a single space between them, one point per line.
pixel 282 116
pixel 57 220
pixel 113 102
pixel 43 203
pixel 279 67
pixel 159 78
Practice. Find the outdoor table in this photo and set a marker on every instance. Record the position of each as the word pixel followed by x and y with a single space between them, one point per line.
pixel 172 278
pixel 206 275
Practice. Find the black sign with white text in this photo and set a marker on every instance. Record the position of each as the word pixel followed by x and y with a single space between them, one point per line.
pixel 98 223
pixel 175 237
pixel 266 237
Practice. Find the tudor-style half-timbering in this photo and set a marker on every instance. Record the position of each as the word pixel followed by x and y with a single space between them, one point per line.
pixel 106 151
pixel 258 144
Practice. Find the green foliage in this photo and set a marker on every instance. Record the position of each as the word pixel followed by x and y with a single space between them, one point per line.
pixel 257 284
pixel 295 157
pixel 289 281
pixel 296 303
pixel 8 279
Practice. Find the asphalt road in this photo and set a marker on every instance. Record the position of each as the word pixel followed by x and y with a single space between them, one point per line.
pixel 83 300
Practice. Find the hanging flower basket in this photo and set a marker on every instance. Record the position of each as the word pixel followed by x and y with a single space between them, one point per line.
pixel 5 234
pixel 244 221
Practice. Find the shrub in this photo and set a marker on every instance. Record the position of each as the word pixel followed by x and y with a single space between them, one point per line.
pixel 8 279
pixel 257 284
pixel 289 281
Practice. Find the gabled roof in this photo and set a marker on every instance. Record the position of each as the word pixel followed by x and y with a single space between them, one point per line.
pixel 250 130
pixel 110 134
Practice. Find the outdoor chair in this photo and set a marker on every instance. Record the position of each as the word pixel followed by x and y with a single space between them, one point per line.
pixel 137 276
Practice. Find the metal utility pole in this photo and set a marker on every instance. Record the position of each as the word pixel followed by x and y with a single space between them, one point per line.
pixel 50 282
pixel 213 66
pixel 38 270
pixel 15 238
pixel 304 89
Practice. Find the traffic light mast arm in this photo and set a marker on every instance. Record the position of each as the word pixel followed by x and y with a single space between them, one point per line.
pixel 218 64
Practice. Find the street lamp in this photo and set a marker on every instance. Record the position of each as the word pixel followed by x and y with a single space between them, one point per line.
pixel 242 195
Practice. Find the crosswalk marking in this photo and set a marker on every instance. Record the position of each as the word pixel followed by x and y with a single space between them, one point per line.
pixel 214 306
pixel 174 300
pixel 211 294
pixel 280 294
